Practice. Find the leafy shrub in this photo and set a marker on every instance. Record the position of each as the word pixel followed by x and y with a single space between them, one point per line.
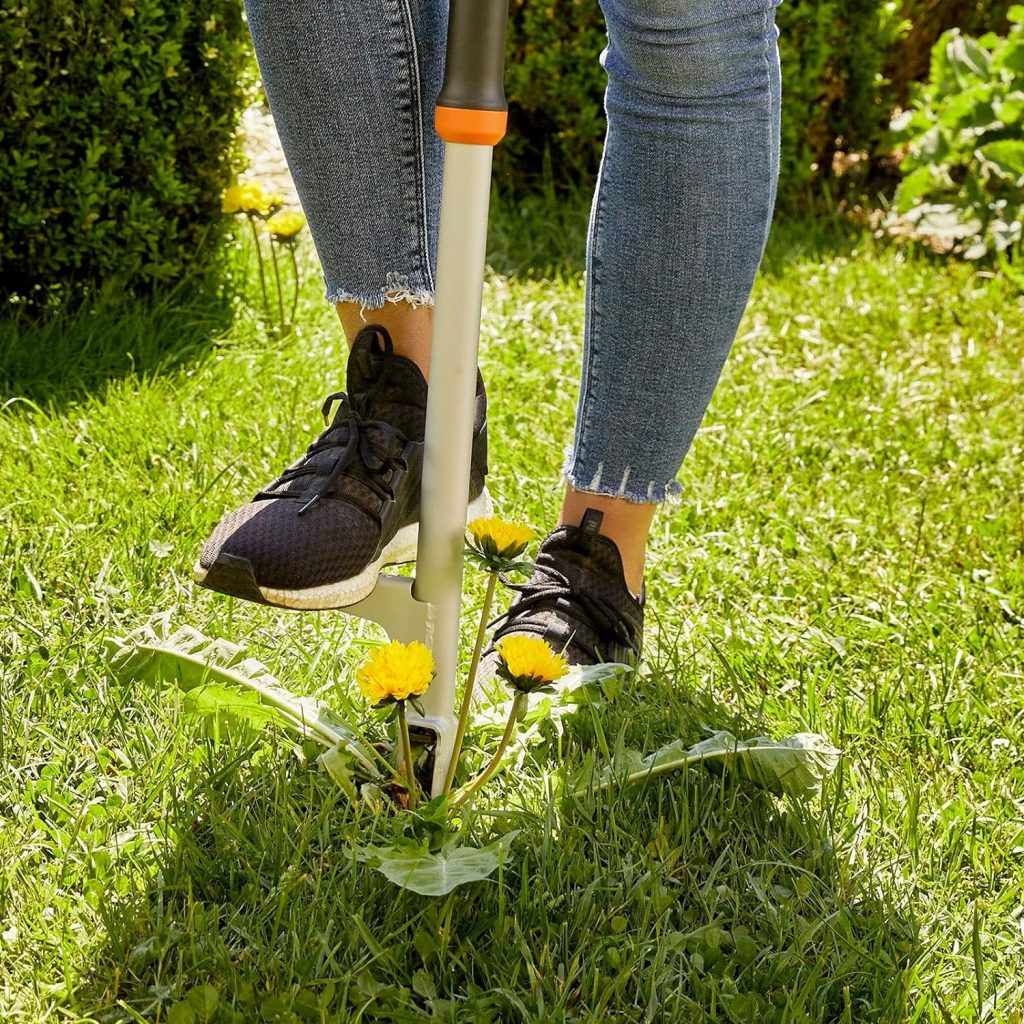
pixel 116 123
pixel 921 22
pixel 965 164
pixel 555 90
pixel 832 53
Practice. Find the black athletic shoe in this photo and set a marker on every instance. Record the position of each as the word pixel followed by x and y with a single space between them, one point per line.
pixel 577 600
pixel 319 534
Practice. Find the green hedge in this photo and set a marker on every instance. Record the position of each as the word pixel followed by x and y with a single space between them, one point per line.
pixel 116 123
pixel 555 91
pixel 832 55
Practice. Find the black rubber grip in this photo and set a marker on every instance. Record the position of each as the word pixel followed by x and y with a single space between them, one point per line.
pixel 474 70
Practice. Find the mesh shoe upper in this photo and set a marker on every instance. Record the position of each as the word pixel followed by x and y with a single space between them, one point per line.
pixel 577 600
pixel 329 515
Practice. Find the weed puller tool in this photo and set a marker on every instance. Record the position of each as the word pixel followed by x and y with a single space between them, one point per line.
pixel 470 117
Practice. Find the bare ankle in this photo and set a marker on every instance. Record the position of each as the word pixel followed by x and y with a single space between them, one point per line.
pixel 625 523
pixel 410 327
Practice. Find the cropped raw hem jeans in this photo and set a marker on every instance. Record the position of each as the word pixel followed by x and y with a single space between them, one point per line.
pixel 679 220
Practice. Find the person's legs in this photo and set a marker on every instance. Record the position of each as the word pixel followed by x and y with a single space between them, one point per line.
pixel 410 325
pixel 680 217
pixel 352 85
pixel 678 226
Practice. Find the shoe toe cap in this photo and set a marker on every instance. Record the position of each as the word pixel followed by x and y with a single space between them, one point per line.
pixel 231 536
pixel 330 542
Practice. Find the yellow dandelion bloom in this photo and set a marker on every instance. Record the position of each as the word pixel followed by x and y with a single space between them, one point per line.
pixel 529 663
pixel 250 197
pixel 496 538
pixel 285 224
pixel 396 671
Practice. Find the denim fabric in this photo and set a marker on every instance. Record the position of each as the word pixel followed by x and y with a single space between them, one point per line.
pixel 352 86
pixel 680 215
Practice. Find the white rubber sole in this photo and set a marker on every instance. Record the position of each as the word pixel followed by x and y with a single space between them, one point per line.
pixel 401 548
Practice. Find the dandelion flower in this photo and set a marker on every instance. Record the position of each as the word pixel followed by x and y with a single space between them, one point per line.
pixel 285 224
pixel 250 197
pixel 396 671
pixel 528 663
pixel 497 542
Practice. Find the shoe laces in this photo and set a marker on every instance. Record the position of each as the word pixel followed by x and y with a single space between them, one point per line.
pixel 596 613
pixel 353 435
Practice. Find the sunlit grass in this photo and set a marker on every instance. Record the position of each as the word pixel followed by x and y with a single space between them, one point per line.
pixel 847 557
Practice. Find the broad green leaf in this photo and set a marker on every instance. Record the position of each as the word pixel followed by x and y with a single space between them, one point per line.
pixel 156 654
pixel 423 985
pixel 221 705
pixel 1010 56
pixel 796 766
pixel 373 798
pixel 1006 156
pixel 971 108
pixel 203 999
pixel 181 1013
pixel 914 185
pixel 341 765
pixel 436 874
pixel 968 59
pixel 941 73
pixel 1010 108
pixel 583 675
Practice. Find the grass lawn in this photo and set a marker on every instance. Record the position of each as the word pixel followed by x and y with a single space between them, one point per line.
pixel 847 557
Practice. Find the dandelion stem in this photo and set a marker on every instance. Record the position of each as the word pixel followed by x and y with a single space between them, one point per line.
pixel 410 774
pixel 467 696
pixel 277 281
pixel 510 727
pixel 295 273
pixel 259 259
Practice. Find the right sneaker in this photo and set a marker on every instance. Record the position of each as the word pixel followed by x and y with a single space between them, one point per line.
pixel 577 601
pixel 318 535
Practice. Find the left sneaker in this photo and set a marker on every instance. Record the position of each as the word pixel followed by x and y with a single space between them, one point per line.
pixel 577 600
pixel 318 535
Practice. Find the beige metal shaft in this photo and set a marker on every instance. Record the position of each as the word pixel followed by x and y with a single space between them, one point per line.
pixel 451 405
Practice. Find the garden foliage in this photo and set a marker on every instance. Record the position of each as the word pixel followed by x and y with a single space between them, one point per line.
pixel 116 123
pixel 832 55
pixel 921 22
pixel 965 164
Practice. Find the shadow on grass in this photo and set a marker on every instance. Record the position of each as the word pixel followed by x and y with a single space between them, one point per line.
pixel 672 901
pixel 64 357
pixel 538 236
pixel 61 358
pixel 545 234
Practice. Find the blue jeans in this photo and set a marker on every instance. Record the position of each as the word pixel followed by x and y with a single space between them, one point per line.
pixel 680 215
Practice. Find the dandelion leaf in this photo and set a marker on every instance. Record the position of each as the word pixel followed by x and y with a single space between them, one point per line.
pixel 343 767
pixel 437 874
pixel 221 706
pixel 232 683
pixel 796 766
